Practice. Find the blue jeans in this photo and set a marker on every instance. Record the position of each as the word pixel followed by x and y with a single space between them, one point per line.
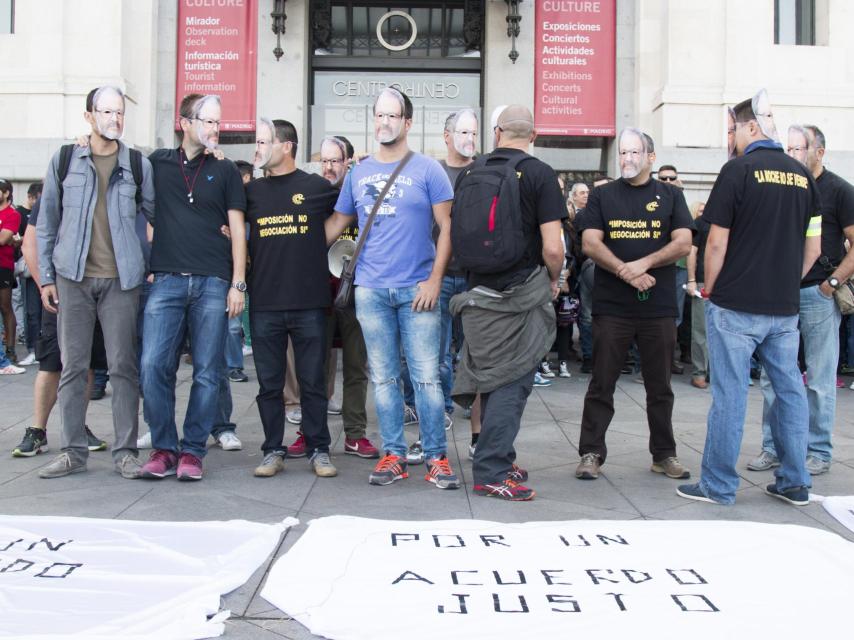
pixel 819 324
pixel 388 323
pixel 733 336
pixel 177 305
pixel 234 344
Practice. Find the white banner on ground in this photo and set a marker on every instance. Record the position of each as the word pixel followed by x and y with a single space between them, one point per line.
pixel 81 578
pixel 359 579
pixel 841 508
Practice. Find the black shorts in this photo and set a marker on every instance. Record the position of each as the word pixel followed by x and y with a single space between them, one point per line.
pixel 47 346
pixel 7 279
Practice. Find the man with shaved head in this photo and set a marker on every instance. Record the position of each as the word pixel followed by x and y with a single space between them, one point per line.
pixel 634 229
pixel 512 299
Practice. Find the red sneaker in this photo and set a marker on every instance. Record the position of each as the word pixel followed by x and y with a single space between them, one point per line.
pixel 297 449
pixel 189 467
pixel 160 464
pixel 517 474
pixel 507 490
pixel 361 447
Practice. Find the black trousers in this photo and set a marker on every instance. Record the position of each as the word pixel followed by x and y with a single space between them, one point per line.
pixel 612 337
pixel 501 415
pixel 307 330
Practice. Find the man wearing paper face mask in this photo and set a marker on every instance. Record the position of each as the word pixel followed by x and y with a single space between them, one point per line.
pixel 198 284
pixel 93 263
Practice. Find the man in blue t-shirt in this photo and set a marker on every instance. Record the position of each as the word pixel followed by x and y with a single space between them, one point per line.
pixel 398 281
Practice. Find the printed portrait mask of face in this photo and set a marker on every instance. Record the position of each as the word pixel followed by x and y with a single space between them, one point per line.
pixel 264 143
pixel 633 158
pixel 388 118
pixel 207 120
pixel 333 165
pixel 465 135
pixel 108 106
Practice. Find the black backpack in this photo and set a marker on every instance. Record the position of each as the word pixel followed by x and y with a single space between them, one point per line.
pixel 486 217
pixel 65 161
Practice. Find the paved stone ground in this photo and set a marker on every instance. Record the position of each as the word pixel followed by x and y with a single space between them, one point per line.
pixel 547 443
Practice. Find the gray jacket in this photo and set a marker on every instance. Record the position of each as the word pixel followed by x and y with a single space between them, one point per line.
pixel 507 333
pixel 64 229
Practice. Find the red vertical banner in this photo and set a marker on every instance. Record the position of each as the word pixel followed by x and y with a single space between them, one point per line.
pixel 217 54
pixel 575 68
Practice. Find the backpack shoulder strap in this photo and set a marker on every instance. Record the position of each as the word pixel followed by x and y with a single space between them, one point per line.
pixel 65 152
pixel 136 170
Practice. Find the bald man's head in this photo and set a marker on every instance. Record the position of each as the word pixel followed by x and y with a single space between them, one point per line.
pixel 516 122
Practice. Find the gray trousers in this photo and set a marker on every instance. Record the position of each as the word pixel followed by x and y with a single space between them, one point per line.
pixel 699 347
pixel 501 416
pixel 80 303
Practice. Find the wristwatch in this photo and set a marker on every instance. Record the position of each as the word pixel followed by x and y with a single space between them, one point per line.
pixel 239 285
pixel 833 282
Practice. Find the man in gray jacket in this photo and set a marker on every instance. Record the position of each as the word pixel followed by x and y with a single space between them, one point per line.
pixel 91 267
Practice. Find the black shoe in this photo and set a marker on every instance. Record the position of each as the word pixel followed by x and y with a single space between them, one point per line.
pixel 677 368
pixel 237 375
pixel 34 442
pixel 628 369
pixel 12 355
pixel 755 373
pixel 587 365
pixel 93 442
pixel 97 393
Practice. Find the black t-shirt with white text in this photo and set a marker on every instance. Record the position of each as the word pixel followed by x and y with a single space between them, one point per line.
pixel 636 221
pixel 837 212
pixel 187 235
pixel 541 202
pixel 766 199
pixel 287 241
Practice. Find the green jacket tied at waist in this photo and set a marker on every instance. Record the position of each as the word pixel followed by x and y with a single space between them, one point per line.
pixel 507 333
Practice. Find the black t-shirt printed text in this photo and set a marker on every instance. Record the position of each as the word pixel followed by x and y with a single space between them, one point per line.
pixel 636 221
pixel 287 241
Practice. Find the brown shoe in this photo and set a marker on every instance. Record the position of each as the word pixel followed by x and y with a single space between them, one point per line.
pixel 588 468
pixel 672 468
pixel 700 383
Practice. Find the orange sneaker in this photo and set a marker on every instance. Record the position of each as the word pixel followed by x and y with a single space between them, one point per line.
pixel 389 469
pixel 439 473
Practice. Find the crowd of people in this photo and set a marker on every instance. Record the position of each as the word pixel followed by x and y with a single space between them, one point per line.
pixel 468 273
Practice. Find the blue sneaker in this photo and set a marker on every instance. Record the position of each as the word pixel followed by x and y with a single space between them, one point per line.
pixel 540 381
pixel 693 492
pixel 798 496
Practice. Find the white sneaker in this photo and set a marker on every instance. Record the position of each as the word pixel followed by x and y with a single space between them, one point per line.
pixel 545 370
pixel 471 451
pixel 144 442
pixel 294 416
pixel 28 361
pixel 333 408
pixel 564 370
pixel 229 441
pixel 409 416
pixel 449 421
pixel 12 370
pixel 247 351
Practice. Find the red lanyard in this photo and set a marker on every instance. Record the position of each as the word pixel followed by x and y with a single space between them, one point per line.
pixel 190 185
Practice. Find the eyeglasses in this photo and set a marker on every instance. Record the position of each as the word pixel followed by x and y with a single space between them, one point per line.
pixel 391 117
pixel 210 124
pixel 109 113
pixel 634 153
pixel 334 162
pixel 668 178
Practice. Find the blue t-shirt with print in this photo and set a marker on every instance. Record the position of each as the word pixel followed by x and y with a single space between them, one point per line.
pixel 399 250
